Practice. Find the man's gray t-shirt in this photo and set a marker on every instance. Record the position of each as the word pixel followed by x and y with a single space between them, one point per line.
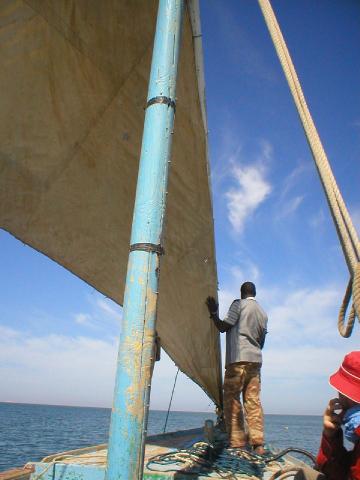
pixel 246 338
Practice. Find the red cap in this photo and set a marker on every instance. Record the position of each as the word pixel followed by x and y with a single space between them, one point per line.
pixel 347 379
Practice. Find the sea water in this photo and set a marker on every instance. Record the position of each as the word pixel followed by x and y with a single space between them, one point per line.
pixel 31 432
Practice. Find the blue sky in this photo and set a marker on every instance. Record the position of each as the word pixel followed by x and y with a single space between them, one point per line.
pixel 58 337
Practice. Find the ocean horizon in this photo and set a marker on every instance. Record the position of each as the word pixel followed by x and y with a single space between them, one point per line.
pixel 152 409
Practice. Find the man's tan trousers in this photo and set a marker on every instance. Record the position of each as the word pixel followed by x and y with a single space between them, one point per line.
pixel 243 378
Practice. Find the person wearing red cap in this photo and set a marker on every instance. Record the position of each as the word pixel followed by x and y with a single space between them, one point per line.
pixel 333 459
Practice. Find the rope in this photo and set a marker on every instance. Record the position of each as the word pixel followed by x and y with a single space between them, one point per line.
pixel 56 460
pixel 285 473
pixel 345 229
pixel 172 394
pixel 205 459
pixel 91 457
pixel 291 449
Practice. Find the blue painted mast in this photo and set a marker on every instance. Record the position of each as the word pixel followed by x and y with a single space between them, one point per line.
pixel 135 360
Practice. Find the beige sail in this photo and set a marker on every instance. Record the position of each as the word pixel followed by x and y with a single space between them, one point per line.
pixel 74 82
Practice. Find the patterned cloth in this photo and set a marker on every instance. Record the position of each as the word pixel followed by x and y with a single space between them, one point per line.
pixel 351 423
pixel 243 378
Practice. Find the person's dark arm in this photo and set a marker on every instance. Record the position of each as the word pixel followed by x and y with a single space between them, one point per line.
pixel 262 339
pixel 220 324
pixel 213 308
pixel 262 335
pixel 333 459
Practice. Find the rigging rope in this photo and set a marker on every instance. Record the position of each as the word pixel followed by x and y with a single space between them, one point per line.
pixel 172 394
pixel 345 229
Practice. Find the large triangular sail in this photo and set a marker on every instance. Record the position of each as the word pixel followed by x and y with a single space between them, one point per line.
pixel 75 76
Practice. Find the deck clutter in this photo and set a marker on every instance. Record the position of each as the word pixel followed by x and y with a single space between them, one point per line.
pixel 177 455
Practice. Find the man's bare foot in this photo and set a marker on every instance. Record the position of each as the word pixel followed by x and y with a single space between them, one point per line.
pixel 259 450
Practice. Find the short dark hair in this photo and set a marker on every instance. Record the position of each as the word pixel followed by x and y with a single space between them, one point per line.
pixel 248 290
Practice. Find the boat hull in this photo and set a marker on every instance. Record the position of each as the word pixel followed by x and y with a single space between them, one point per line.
pixel 90 463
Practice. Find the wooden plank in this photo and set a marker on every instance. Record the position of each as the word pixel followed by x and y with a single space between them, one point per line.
pixel 22 473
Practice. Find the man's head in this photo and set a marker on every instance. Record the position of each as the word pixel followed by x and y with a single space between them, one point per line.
pixel 347 380
pixel 247 290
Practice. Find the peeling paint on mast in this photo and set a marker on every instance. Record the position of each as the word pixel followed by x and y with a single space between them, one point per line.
pixel 133 377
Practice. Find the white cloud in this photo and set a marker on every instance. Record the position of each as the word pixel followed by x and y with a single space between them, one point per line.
pixel 8 333
pixel 318 219
pixel 249 185
pixel 293 179
pixel 83 319
pixel 288 203
pixel 226 297
pixel 79 370
pixel 303 348
pixel 247 271
pixel 251 190
pixel 300 363
pixel 300 376
pixel 304 313
pixel 56 369
pixel 231 150
pixel 266 152
pixel 103 314
pixel 108 307
pixel 296 315
pixel 290 206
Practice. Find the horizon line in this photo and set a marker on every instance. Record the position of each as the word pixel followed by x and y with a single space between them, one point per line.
pixel 11 402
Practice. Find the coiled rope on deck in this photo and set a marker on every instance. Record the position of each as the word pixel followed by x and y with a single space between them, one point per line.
pixel 204 459
pixel 345 229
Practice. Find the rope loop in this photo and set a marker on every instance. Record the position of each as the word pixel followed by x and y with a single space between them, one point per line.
pixel 356 290
pixel 352 289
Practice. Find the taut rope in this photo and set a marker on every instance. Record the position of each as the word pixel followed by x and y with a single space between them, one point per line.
pixel 345 229
pixel 172 394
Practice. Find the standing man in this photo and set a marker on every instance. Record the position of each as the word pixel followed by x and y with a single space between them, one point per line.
pixel 245 327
